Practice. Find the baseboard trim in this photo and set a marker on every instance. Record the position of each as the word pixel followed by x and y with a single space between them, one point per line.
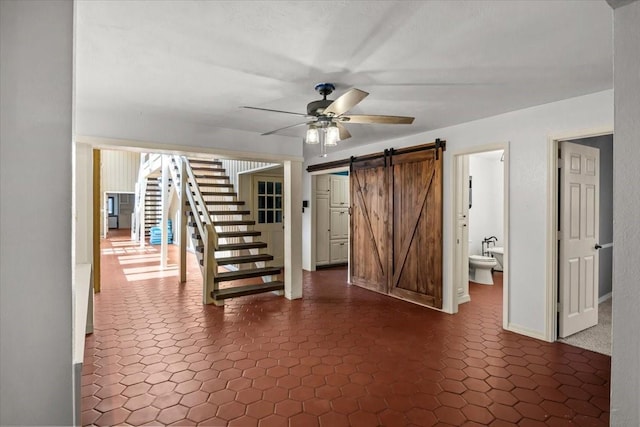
pixel 604 297
pixel 526 331
pixel 463 299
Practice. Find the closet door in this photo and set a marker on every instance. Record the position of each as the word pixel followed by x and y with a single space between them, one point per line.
pixel 370 225
pixel 416 272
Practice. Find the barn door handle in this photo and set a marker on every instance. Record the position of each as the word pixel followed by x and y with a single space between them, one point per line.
pixel 598 246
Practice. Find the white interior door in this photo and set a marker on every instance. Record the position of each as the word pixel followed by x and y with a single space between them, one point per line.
pixel 579 230
pixel 269 215
pixel 461 268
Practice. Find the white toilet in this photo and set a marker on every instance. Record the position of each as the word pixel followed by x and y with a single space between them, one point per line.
pixel 481 267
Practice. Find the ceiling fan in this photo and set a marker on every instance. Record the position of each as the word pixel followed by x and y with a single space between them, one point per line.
pixel 325 118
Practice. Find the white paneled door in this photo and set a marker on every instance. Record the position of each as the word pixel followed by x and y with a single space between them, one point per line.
pixel 578 254
pixel 269 215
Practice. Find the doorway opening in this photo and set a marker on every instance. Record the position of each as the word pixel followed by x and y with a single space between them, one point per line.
pixel 582 230
pixel 480 227
pixel 331 220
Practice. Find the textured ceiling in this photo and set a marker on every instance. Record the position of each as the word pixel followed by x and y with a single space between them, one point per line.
pixel 197 62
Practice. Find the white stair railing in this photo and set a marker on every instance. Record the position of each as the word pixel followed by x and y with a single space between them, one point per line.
pixel 205 227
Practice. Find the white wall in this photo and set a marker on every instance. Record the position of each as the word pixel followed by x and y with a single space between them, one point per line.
pixel 527 130
pixel 625 362
pixel 36 70
pixel 119 171
pixel 235 167
pixel 487 211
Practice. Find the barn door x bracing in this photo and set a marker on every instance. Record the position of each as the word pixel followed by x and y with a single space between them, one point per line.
pixel 396 225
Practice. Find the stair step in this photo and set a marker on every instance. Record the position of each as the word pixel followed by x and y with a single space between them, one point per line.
pixel 224 223
pixel 235 246
pixel 225 234
pixel 232 222
pixel 217 193
pixel 241 246
pixel 207 169
pixel 224 177
pixel 224 202
pixel 206 162
pixel 238 212
pixel 214 185
pixel 246 274
pixel 244 259
pixel 240 291
pixel 229 234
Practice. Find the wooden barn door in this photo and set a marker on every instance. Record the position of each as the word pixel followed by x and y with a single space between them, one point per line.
pixel 416 273
pixel 369 225
pixel 396 224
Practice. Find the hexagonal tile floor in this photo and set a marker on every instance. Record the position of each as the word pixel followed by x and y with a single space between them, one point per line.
pixel 342 356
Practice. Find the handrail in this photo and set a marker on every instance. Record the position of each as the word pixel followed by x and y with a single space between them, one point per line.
pixel 205 227
pixel 174 176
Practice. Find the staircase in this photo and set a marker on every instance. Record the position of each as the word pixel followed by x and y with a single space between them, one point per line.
pixel 152 204
pixel 213 202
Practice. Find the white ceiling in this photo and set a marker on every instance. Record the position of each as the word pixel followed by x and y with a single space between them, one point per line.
pixel 447 62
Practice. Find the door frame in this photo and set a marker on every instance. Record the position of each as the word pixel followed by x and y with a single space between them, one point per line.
pixel 314 215
pixel 456 176
pixel 551 291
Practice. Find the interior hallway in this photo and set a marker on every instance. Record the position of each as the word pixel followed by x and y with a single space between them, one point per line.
pixel 342 356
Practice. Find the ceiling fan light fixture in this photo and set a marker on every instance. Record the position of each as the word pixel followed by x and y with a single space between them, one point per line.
pixel 332 135
pixel 313 136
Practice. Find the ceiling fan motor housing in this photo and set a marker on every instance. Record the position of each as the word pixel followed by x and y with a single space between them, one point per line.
pixel 315 108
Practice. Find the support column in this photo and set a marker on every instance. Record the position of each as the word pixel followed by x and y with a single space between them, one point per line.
pixel 164 192
pixel 141 213
pixel 293 229
pixel 183 222
pixel 96 200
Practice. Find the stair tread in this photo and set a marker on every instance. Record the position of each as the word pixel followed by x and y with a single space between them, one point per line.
pixel 243 212
pixel 225 223
pixel 218 193
pixel 207 169
pixel 224 202
pixel 206 162
pixel 239 291
pixel 240 246
pixel 239 222
pixel 214 185
pixel 245 274
pixel 235 246
pixel 238 233
pixel 243 259
pixel 211 176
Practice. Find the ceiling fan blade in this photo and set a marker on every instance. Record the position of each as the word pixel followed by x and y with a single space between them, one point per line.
pixel 345 102
pixel 275 111
pixel 344 133
pixel 286 127
pixel 391 120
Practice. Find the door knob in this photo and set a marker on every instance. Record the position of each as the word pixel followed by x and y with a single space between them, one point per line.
pixel 598 246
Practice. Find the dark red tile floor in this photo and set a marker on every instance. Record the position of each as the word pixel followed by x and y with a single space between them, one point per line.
pixel 342 356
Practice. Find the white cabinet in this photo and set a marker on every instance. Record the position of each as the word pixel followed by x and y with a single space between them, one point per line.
pixel 339 224
pixel 339 251
pixel 322 184
pixel 332 219
pixel 339 191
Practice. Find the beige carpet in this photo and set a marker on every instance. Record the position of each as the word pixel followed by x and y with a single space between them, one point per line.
pixel 596 338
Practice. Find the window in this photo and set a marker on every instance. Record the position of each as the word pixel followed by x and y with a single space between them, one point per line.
pixel 110 205
pixel 269 202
